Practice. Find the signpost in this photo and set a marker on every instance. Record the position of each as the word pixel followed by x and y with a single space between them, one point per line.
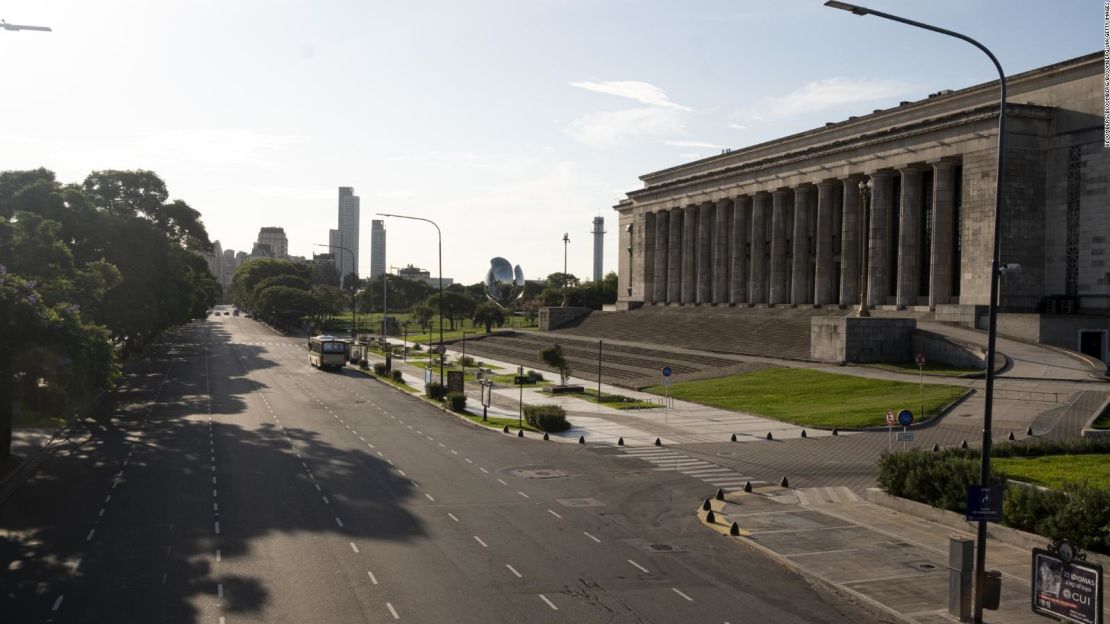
pixel 520 379
pixel 666 390
pixel 905 418
pixel 889 428
pixel 487 396
pixel 1065 588
pixel 920 359
pixel 984 504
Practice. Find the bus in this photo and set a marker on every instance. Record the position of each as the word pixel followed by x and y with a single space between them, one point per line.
pixel 327 352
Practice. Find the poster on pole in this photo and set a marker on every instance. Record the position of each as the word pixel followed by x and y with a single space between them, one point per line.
pixel 1068 591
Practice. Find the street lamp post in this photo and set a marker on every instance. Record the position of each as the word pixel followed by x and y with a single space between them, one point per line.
pixel 865 226
pixel 354 322
pixel 439 237
pixel 992 314
pixel 566 241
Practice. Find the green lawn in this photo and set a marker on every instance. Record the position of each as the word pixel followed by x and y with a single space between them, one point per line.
pixel 943 370
pixel 496 422
pixel 389 380
pixel 1052 470
pixel 808 397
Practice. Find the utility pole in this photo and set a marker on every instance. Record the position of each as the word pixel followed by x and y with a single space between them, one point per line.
pixel 566 241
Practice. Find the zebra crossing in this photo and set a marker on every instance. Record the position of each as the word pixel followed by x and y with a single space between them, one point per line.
pixel 830 495
pixel 667 460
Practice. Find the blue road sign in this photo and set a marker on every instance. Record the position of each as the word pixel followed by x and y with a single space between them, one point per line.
pixel 666 371
pixel 905 418
pixel 984 503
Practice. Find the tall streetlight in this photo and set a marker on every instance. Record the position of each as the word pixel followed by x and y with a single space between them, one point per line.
pixel 439 243
pixel 354 323
pixel 566 241
pixel 992 323
pixel 6 26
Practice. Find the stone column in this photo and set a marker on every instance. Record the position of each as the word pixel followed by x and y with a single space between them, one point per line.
pixel 909 238
pixel 779 207
pixel 801 284
pixel 647 243
pixel 706 218
pixel 825 271
pixel 689 251
pixel 878 243
pixel 721 237
pixel 757 283
pixel 738 248
pixel 940 273
pixel 851 222
pixel 674 255
pixel 662 233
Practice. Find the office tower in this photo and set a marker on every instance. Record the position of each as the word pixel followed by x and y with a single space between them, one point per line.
pixel 348 231
pixel 377 247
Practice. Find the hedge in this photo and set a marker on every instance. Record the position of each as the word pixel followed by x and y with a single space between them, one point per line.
pixel 380 369
pixel 457 401
pixel 396 375
pixel 550 418
pixel 434 390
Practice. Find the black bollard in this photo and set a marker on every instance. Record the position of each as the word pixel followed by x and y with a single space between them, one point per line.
pixel 1010 437
pixel 720 494
pixel 747 486
pixel 803 433
pixel 581 439
pixel 936 447
pixel 836 431
pixel 734 437
pixel 705 506
pixel 505 430
pixel 734 529
pixel 710 518
pixel 620 441
pixel 963 444
pixel 520 433
pixel 657 442
pixel 545 436
pixel 1029 430
pixel 784 483
pixel 769 436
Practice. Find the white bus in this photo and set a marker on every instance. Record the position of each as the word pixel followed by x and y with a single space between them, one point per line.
pixel 327 352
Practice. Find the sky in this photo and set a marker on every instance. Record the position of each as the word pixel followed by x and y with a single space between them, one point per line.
pixel 508 122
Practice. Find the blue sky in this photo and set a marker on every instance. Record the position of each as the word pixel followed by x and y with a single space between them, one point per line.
pixel 508 122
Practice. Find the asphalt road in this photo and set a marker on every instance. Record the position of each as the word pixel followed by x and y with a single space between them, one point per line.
pixel 231 482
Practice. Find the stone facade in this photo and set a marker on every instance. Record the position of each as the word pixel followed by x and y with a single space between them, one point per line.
pixel 782 222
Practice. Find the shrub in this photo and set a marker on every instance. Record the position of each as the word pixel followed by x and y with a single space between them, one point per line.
pixel 416 346
pixel 551 418
pixel 380 370
pixel 937 479
pixel 553 357
pixel 364 364
pixel 457 401
pixel 534 376
pixel 434 390
pixel 396 374
pixel 467 361
pixel 1079 514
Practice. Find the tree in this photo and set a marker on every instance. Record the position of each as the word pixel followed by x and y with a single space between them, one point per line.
pixel 455 305
pixel 489 314
pixel 423 315
pixel 561 280
pixel 553 357
pixel 351 282
pixel 328 300
pixel 325 273
pixel 284 305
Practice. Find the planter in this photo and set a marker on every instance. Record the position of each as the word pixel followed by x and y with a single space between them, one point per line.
pixel 564 390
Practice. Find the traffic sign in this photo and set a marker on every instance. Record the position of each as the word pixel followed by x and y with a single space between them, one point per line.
pixel 920 359
pixel 666 371
pixel 984 503
pixel 890 418
pixel 905 418
pixel 905 436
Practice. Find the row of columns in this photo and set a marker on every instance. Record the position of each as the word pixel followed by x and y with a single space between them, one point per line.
pixel 783 246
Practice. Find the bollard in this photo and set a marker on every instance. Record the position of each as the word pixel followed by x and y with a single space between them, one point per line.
pixel 936 447
pixel 705 506
pixel 963 444
pixel 803 433
pixel 581 439
pixel 505 430
pixel 1010 437
pixel 710 518
pixel 620 441
pixel 520 433
pixel 1029 430
pixel 784 483
pixel 734 437
pixel 734 529
pixel 747 486
pixel 836 431
pixel 992 589
pixel 720 494
pixel 769 436
pixel 657 442
pixel 545 436
pixel 961 568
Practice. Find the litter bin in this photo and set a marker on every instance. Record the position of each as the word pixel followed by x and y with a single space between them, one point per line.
pixel 992 589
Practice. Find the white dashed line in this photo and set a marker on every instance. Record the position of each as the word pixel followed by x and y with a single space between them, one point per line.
pixel 502 482
pixel 479 540
pixel 217 527
pixel 452 516
pixel 90 535
pixel 392 611
pixel 513 570
pixel 220 590
pixel 429 497
pixel 354 548
pixel 549 603
pixel 552 512
pixel 523 494
pixel 339 522
pixel 373 579
pixel 639 567
pixel 58 603
pixel 483 470
pixel 591 537
pixel 676 590
pixel 402 473
pixel 326 501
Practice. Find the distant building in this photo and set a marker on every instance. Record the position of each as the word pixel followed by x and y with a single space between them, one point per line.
pixel 275 238
pixel 227 270
pixel 421 275
pixel 324 258
pixel 377 247
pixel 348 231
pixel 599 246
pixel 262 250
pixel 214 259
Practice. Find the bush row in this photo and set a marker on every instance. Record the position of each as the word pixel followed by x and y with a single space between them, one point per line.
pixel 549 418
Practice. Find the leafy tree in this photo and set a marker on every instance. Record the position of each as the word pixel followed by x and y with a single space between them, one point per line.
pixel 247 277
pixel 561 280
pixel 423 315
pixel 284 305
pixel 489 314
pixel 325 273
pixel 328 301
pixel 351 282
pixel 455 305
pixel 553 357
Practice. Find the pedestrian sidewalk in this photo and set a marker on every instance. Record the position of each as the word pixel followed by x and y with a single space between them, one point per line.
pixel 892 561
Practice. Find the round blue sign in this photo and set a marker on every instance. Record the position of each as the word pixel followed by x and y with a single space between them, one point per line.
pixel 905 418
pixel 666 371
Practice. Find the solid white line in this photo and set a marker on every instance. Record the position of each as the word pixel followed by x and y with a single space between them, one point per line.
pixel 675 590
pixel 429 497
pixel 513 570
pixel 373 579
pixel 639 567
pixel 452 516
pixel 57 603
pixel 549 603
pixel 393 611
pixel 553 513
pixel 479 540
pixel 354 548
pixel 339 522
pixel 591 537
pixel 89 536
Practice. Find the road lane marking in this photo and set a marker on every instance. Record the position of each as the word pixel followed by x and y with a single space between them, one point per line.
pixel 402 473
pixel 88 537
pixel 676 590
pixel 549 603
pixel 552 512
pixel 429 497
pixel 468 460
pixel 591 537
pixel 523 494
pixel 326 501
pixel 108 498
pixel 414 484
pixel 219 555
pixel 454 452
pixel 354 548
pixel 318 489
pixel 639 567
pixel 393 611
pixel 217 527
pixel 483 470
pixel 479 540
pixel 339 522
pixel 101 512
pixel 502 482
pixel 373 579
pixel 57 603
pixel 452 516
pixel 513 570
pixel 219 590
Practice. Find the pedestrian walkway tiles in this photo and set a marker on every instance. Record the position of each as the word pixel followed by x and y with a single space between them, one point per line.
pixel 668 460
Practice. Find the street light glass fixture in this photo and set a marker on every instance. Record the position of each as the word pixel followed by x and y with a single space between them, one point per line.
pixel 992 315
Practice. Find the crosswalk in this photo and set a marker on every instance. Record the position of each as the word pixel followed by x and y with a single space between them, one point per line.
pixel 670 460
pixel 832 495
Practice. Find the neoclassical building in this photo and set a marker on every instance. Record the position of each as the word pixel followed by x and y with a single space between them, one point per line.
pixel 900 203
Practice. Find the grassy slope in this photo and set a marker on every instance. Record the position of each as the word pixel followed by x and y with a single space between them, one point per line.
pixel 1052 470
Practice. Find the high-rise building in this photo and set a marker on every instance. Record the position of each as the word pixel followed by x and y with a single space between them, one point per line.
pixel 348 231
pixel 334 241
pixel 228 269
pixel 377 247
pixel 214 259
pixel 275 238
pixel 599 246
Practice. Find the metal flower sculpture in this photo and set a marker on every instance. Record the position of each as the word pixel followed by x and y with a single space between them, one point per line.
pixel 503 282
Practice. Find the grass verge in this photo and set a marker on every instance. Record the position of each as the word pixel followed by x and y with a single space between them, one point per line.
pixel 497 422
pixel 808 397
pixel 389 380
pixel 1052 471
pixel 941 370
pixel 616 401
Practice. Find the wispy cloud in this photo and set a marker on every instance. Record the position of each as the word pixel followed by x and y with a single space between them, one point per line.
pixel 643 92
pixel 704 144
pixel 736 126
pixel 823 95
pixel 606 129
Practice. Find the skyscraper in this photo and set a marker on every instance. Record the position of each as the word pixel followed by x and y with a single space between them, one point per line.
pixel 377 247
pixel 599 246
pixel 348 231
pixel 275 238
